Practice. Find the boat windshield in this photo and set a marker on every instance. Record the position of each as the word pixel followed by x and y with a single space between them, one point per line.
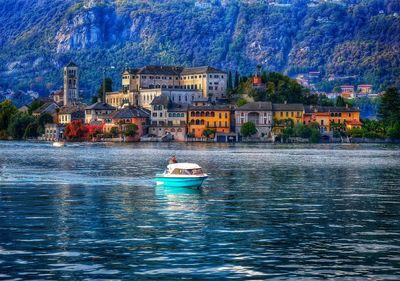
pixel 196 172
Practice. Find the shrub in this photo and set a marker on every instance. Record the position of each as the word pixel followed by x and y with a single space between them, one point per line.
pixel 248 129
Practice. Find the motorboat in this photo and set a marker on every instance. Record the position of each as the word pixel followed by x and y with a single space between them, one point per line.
pixel 182 175
pixel 58 144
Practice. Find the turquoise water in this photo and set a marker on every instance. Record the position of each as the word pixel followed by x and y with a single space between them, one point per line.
pixel 93 212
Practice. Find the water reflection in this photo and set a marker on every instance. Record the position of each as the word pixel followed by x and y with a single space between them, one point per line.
pixel 265 212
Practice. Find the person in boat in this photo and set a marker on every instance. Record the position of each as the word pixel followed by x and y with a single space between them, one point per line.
pixel 172 160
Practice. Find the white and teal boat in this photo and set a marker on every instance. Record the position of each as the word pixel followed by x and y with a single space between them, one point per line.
pixel 182 175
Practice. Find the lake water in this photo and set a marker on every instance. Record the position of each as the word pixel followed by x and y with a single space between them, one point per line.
pixel 87 212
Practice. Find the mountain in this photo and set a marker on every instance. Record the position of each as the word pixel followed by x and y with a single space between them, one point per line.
pixel 340 38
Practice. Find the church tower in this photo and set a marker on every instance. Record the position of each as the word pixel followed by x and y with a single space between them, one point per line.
pixel 71 84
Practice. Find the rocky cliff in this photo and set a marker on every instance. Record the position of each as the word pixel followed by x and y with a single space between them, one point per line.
pixel 341 38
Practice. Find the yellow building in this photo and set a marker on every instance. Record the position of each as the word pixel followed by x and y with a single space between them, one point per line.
pixel 283 111
pixel 213 117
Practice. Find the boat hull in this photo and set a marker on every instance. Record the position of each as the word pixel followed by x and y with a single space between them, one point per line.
pixel 194 182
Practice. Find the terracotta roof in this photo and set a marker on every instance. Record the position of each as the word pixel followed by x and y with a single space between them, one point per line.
pixel 287 106
pixel 256 106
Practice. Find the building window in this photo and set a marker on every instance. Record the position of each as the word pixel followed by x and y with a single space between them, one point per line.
pixel 281 114
pixel 210 87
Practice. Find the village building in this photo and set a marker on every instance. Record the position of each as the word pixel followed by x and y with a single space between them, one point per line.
pixel 53 132
pixel 70 113
pixel 48 107
pixel 214 117
pixel 325 115
pixel 180 96
pixel 58 97
pixel 347 91
pixel 181 82
pixel 97 112
pixel 364 89
pixel 168 119
pixel 260 113
pixel 121 118
pixel 282 112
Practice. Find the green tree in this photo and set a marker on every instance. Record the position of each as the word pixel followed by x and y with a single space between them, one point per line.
pixel 237 80
pixel 18 124
pixel 340 101
pixel 315 136
pixel 209 133
pixel 131 130
pixel 240 102
pixel 108 87
pixel 248 129
pixel 34 105
pixel 389 107
pixel 44 118
pixel 31 131
pixel 114 132
pixel 394 131
pixel 230 82
pixel 302 131
pixel 7 110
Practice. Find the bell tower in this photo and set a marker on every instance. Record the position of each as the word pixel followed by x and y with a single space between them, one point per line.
pixel 71 84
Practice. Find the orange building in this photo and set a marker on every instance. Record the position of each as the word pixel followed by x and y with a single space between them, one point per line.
pixel 216 117
pixel 325 115
pixel 121 118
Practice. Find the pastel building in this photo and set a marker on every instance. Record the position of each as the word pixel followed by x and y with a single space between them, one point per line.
pixel 97 112
pixel 260 113
pixel 168 119
pixel 123 117
pixel 216 117
pixel 209 81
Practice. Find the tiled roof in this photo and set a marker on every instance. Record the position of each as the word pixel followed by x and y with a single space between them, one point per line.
pixel 174 107
pixel 287 106
pixel 71 64
pixel 172 70
pixel 100 106
pixel 256 106
pixel 201 69
pixel 313 108
pixel 160 100
pixel 129 112
pixel 69 109
pixel 49 107
pixel 210 107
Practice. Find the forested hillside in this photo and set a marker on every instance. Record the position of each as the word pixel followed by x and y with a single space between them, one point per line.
pixel 357 38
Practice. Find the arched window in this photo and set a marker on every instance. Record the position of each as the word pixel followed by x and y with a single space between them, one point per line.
pixel 212 114
pixel 192 114
pixel 197 122
pixel 202 114
pixel 197 114
pixel 207 113
pixel 174 114
pixel 202 122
